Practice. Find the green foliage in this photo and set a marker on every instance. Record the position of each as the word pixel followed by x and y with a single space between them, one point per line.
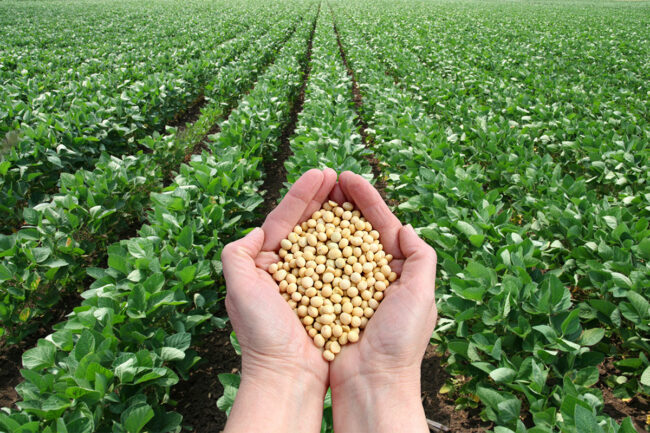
pixel 541 242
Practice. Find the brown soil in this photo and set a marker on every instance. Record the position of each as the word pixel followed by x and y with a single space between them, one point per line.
pixel 191 114
pixel 274 169
pixel 362 124
pixel 440 407
pixel 638 408
pixel 197 397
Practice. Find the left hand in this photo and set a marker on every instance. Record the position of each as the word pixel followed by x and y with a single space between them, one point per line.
pixel 275 347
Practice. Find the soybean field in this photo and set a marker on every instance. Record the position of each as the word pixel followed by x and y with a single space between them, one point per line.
pixel 138 137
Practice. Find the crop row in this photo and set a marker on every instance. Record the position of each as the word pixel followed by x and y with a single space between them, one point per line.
pixel 49 131
pixel 327 134
pixel 109 367
pixel 509 321
pixel 587 197
pixel 48 257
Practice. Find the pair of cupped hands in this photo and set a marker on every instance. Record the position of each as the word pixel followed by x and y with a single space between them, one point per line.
pixel 375 382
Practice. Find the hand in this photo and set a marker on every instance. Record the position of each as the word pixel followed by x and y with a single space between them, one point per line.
pixel 376 382
pixel 284 376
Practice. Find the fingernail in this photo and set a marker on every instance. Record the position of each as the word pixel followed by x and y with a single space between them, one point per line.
pixel 254 231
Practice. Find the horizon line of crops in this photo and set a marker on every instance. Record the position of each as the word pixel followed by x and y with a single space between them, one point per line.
pixel 159 288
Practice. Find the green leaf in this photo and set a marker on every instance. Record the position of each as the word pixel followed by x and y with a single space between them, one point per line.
pixel 477 240
pixel 186 237
pixel 645 377
pixel 592 336
pixel 466 228
pixel 621 280
pixel 41 356
pixel 171 354
pixel 135 418
pixel 503 375
pixel 586 421
pixel 644 248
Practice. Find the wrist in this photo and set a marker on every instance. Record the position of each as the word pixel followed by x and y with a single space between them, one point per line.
pixel 389 402
pixel 273 400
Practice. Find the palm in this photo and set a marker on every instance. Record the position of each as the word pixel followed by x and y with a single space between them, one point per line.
pixel 397 335
pixel 278 335
pixel 269 332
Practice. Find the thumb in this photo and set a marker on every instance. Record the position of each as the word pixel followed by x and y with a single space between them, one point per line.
pixel 238 258
pixel 419 270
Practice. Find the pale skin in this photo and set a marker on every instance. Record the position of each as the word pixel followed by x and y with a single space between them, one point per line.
pixel 375 382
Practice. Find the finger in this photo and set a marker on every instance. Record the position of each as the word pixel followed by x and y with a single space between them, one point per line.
pixel 337 194
pixel 286 215
pixel 329 180
pixel 266 259
pixel 419 268
pixel 396 266
pixel 374 209
pixel 238 259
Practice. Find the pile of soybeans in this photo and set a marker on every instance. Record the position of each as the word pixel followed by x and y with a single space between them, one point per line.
pixel 333 273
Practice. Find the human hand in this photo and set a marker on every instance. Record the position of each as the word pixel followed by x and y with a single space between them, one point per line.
pixel 379 376
pixel 284 376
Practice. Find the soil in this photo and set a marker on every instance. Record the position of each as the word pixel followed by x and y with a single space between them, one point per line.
pixel 191 114
pixel 638 408
pixel 440 408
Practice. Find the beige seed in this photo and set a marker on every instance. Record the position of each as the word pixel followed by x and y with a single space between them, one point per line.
pixel 326 331
pixel 353 336
pixel 328 355
pixel 319 340
pixel 327 291
pixel 326 319
pixel 352 292
pixel 316 301
pixel 335 348
pixel 364 322
pixel 346 318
